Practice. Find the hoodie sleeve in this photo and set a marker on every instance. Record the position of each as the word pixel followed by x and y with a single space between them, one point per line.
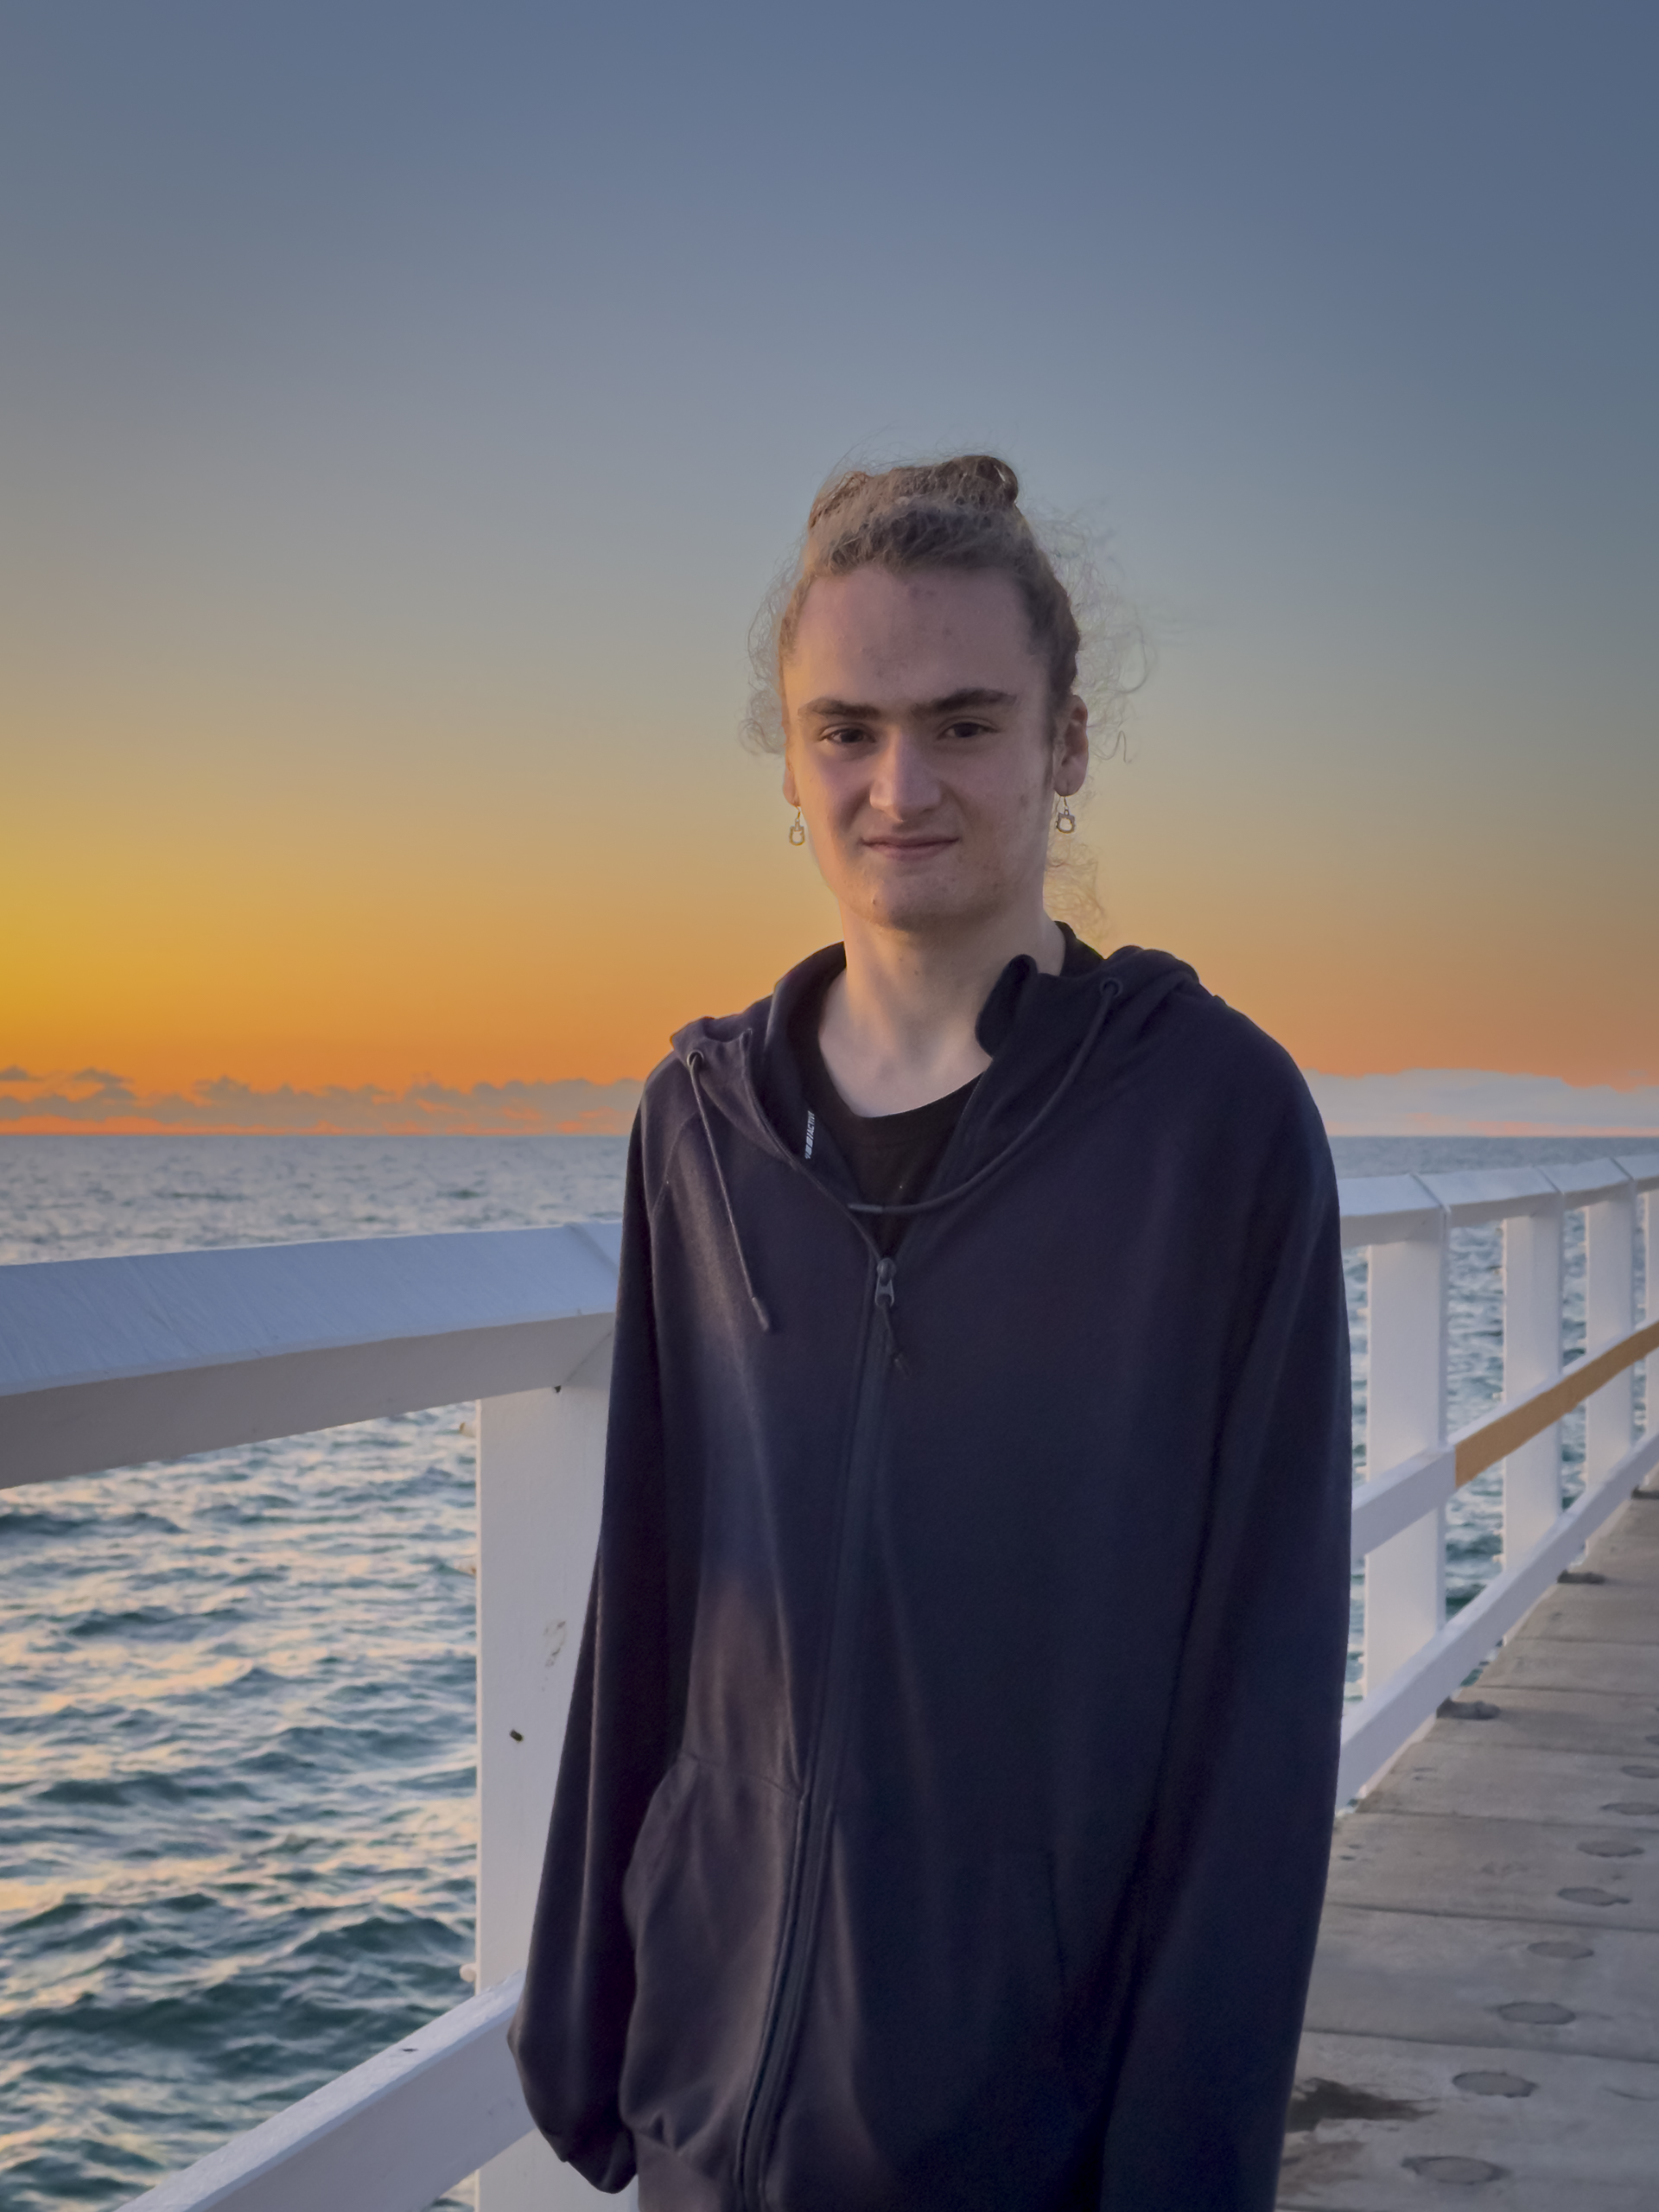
pixel 1232 1870
pixel 572 2022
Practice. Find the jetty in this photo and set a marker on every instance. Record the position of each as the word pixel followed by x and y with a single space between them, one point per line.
pixel 1484 2023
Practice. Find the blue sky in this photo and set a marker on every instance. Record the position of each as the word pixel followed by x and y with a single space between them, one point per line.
pixel 402 409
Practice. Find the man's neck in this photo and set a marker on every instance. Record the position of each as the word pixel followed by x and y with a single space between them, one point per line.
pixel 899 1026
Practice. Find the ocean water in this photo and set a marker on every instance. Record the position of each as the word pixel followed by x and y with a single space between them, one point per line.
pixel 236 1695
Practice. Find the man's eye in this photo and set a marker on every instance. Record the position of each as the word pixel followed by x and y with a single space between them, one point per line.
pixel 852 735
pixel 965 729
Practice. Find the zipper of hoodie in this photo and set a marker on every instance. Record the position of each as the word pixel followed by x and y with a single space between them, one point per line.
pixel 798 1939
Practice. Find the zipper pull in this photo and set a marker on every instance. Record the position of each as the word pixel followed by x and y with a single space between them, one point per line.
pixel 885 1271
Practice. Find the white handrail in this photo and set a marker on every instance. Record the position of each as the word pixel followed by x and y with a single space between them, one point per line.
pixel 106 1363
pixel 109 1362
pixel 393 2133
pixel 1384 1209
pixel 1393 1500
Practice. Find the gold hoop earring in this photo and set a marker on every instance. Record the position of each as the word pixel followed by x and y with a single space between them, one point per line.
pixel 1065 821
pixel 797 830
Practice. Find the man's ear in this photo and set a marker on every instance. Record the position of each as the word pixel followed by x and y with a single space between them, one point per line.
pixel 790 792
pixel 1071 749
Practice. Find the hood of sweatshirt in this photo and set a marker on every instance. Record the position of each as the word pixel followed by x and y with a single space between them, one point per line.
pixel 1041 1032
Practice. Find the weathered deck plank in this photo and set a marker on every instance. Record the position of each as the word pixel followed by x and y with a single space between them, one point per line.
pixel 1484 2023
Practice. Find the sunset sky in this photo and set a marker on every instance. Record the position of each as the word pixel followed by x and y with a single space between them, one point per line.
pixel 403 408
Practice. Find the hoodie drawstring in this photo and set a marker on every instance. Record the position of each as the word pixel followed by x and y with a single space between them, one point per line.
pixel 693 1062
pixel 1110 992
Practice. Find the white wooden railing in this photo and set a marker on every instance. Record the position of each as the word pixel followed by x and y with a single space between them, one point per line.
pixel 1413 1656
pixel 113 1362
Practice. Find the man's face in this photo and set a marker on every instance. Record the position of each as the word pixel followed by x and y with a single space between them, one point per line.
pixel 921 747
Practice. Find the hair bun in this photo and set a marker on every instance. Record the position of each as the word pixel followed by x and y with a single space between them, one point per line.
pixel 979 478
pixel 967 480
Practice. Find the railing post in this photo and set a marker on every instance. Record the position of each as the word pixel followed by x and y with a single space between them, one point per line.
pixel 1405 1578
pixel 1532 1354
pixel 1651 1302
pixel 540 1471
pixel 1651 1307
pixel 1609 1311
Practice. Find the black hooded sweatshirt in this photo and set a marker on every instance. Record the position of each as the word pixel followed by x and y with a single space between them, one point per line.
pixel 944 1809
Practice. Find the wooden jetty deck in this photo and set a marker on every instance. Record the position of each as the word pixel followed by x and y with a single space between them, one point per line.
pixel 1484 2023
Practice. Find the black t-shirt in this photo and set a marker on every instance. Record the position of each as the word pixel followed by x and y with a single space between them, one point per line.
pixel 892 1156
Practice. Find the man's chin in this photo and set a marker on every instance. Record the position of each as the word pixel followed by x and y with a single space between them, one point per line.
pixel 925 910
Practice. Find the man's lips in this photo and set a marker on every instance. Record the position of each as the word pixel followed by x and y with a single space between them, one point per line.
pixel 905 847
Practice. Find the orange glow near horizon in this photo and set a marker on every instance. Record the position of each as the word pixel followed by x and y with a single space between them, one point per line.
pixel 490 962
pixel 189 892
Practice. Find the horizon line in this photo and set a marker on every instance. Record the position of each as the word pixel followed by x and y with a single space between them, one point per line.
pixel 98 1101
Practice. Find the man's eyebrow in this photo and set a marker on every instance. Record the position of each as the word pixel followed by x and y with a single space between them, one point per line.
pixel 841 710
pixel 954 703
pixel 976 695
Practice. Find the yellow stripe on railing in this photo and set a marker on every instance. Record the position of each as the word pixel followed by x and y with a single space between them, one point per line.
pixel 1484 1445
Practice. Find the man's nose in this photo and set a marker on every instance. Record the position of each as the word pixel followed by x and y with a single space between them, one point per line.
pixel 903 784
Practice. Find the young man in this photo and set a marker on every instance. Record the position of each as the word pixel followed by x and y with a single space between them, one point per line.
pixel 944 1815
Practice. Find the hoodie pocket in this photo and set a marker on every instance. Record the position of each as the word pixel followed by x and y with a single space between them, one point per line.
pixel 931 2070
pixel 703 1899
